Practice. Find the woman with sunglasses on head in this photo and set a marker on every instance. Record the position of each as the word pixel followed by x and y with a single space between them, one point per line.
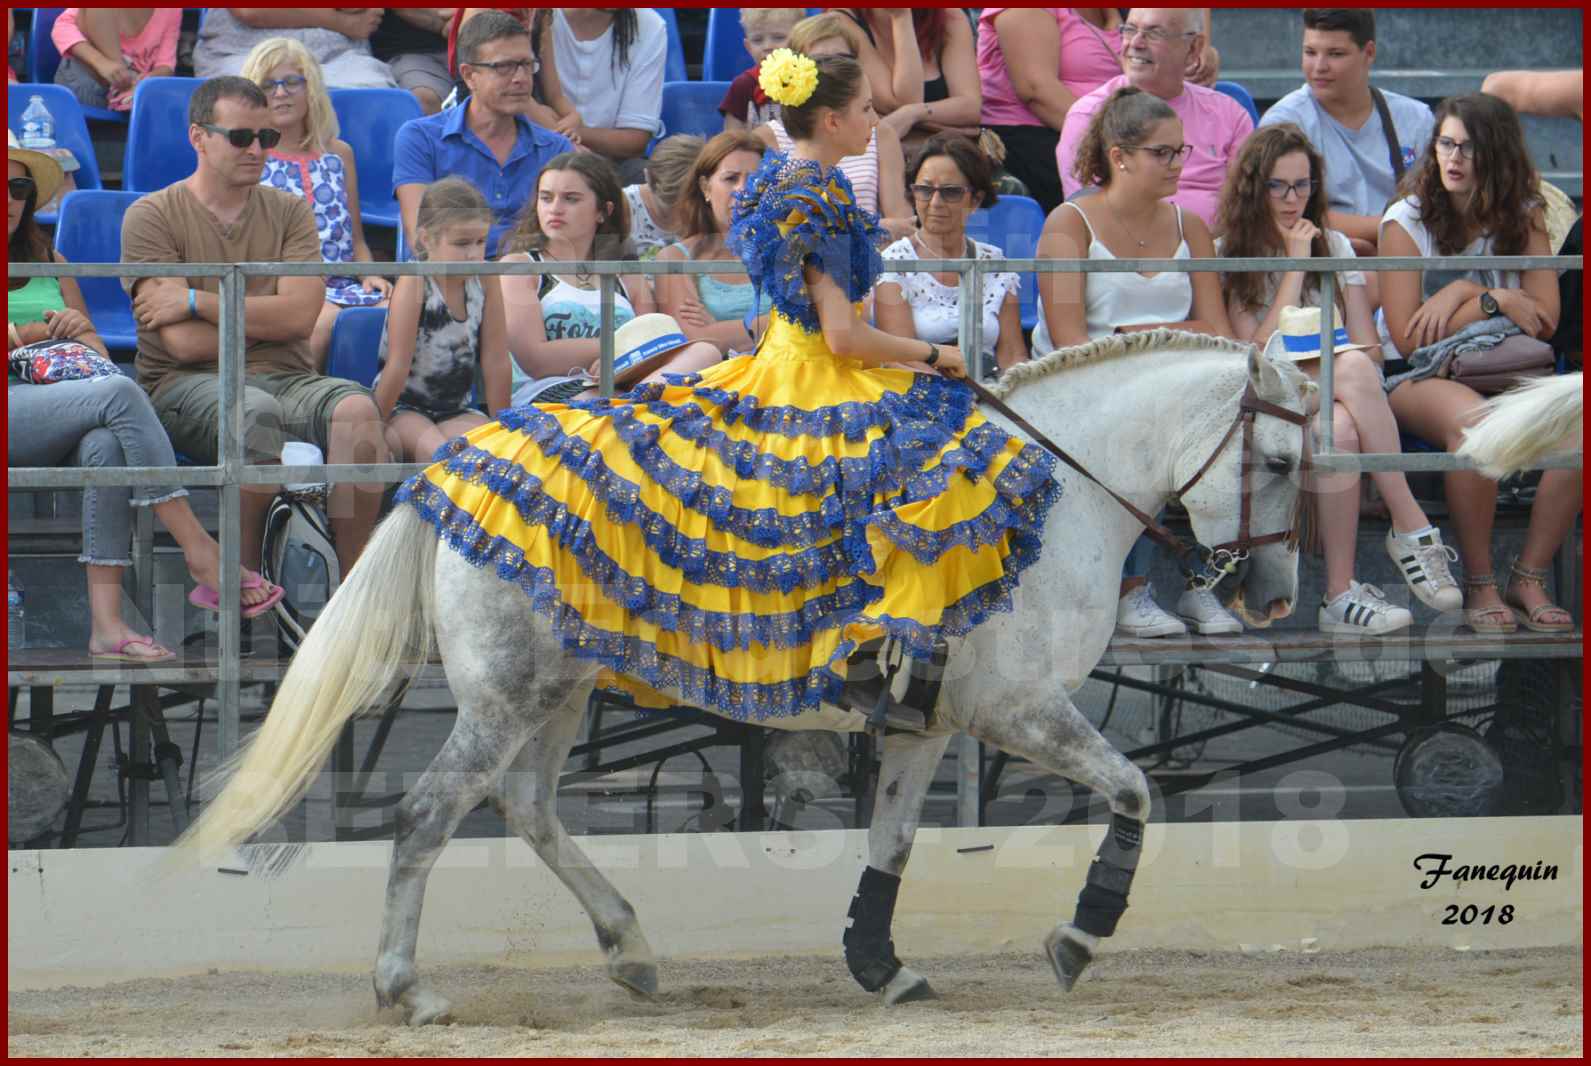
pixel 310 161
pixel 1474 192
pixel 1274 204
pixel 949 178
pixel 1133 154
pixel 95 422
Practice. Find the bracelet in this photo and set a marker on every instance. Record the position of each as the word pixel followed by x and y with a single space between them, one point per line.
pixel 193 304
pixel 933 355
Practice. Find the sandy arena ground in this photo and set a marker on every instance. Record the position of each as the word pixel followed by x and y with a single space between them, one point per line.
pixel 1426 1002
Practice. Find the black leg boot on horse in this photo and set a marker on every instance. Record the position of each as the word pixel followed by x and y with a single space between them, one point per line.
pixel 1101 903
pixel 869 951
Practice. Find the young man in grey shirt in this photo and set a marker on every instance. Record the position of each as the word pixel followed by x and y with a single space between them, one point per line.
pixel 1338 112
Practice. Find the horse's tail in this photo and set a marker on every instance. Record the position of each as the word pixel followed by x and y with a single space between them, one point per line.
pixel 379 618
pixel 1525 424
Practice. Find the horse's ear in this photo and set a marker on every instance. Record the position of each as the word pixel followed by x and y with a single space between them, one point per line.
pixel 1264 376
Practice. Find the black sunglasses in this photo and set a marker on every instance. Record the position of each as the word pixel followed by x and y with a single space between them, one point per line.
pixel 242 138
pixel 950 194
pixel 22 188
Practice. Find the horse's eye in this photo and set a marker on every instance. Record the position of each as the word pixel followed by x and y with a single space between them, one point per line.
pixel 1278 464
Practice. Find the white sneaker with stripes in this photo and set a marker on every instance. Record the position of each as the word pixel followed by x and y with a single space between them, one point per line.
pixel 1423 562
pixel 1363 611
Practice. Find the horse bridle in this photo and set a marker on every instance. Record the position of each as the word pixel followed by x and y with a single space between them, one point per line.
pixel 1215 563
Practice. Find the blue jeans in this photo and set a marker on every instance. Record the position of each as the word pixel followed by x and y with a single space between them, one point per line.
pixel 104 422
pixel 1142 553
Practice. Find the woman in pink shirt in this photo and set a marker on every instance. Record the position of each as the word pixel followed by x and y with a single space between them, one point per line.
pixel 1026 92
pixel 106 52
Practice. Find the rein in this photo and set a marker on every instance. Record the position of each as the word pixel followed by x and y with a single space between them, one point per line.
pixel 1213 563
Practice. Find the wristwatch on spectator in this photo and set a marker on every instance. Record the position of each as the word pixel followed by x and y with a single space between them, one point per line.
pixel 1488 304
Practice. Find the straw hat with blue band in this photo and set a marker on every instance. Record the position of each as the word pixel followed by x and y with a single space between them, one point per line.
pixel 1297 336
pixel 641 344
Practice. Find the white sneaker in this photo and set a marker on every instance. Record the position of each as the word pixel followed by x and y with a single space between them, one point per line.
pixel 1138 615
pixel 1423 562
pixel 1363 611
pixel 1204 613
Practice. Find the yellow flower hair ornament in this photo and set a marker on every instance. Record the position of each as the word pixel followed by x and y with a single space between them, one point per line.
pixel 788 78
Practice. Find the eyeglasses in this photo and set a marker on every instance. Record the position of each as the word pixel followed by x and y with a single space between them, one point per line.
pixel 21 188
pixel 1164 153
pixel 1447 146
pixel 507 68
pixel 950 194
pixel 1153 34
pixel 242 138
pixel 1281 190
pixel 292 85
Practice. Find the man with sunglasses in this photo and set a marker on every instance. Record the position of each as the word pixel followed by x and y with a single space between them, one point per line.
pixel 222 214
pixel 1344 119
pixel 1157 45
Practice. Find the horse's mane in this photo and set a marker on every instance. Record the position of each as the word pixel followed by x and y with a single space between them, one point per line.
pixel 1112 347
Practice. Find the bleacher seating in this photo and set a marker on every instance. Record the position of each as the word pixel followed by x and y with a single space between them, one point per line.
pixel 674 64
pixel 71 131
pixel 158 152
pixel 692 107
pixel 43 60
pixel 355 344
pixel 1013 225
pixel 90 231
pixel 369 121
pixel 1241 95
pixel 726 56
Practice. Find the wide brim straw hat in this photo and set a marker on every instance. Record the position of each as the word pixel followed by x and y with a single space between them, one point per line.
pixel 1297 337
pixel 642 343
pixel 45 172
pixel 1558 214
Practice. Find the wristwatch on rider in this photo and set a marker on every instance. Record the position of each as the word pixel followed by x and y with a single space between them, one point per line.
pixel 933 355
pixel 1489 304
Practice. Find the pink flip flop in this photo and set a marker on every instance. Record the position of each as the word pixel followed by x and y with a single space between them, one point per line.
pixel 206 598
pixel 119 652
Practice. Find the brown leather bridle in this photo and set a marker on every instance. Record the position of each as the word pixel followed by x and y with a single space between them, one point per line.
pixel 1213 563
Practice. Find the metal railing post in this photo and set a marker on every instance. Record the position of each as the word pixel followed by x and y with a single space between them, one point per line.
pixel 970 335
pixel 229 450
pixel 1328 332
pixel 605 341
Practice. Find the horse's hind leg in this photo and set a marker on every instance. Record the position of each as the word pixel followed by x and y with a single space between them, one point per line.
pixel 906 772
pixel 1062 741
pixel 530 804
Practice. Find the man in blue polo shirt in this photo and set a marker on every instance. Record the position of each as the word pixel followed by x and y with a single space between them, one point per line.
pixel 487 139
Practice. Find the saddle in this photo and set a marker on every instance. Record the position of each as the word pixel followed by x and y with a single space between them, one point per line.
pixel 869 676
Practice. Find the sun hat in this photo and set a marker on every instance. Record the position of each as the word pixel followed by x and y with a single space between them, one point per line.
pixel 1297 336
pixel 45 172
pixel 641 344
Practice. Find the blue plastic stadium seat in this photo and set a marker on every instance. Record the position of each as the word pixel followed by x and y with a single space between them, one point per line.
pixel 674 61
pixel 369 121
pixel 1241 95
pixel 43 60
pixel 90 231
pixel 355 344
pixel 158 152
pixel 692 107
pixel 1013 225
pixel 71 131
pixel 726 56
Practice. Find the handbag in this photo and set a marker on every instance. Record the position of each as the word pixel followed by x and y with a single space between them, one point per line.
pixel 1504 365
pixel 47 362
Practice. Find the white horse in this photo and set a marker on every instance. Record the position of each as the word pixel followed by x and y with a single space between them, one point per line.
pixel 1145 413
pixel 1527 423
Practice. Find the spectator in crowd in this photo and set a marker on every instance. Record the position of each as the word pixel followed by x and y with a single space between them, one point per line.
pixel 1033 65
pixel 412 42
pixel 441 332
pixel 878 175
pixel 611 62
pixel 710 307
pixel 222 214
pixel 1473 192
pixel 1339 111
pixel 311 162
pixel 549 106
pixel 949 178
pixel 96 422
pixel 487 139
pixel 939 49
pixel 107 51
pixel 1133 150
pixel 11 35
pixel 1555 93
pixel 1275 205
pixel 654 203
pixel 1158 43
pixel 338 38
pixel 578 214
pixel 745 105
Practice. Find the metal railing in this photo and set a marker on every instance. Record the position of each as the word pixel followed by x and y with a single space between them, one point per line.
pixel 232 472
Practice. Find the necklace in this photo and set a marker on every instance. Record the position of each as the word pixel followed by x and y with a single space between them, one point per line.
pixel 932 252
pixel 1112 209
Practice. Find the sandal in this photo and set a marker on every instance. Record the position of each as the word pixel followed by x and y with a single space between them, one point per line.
pixel 1488 620
pixel 1531 618
pixel 207 598
pixel 120 654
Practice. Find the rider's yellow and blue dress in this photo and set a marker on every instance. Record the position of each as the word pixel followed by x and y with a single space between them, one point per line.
pixel 731 536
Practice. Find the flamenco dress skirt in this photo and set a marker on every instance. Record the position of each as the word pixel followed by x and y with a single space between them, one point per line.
pixel 729 538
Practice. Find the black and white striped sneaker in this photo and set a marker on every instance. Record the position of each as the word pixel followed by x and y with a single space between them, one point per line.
pixel 1363 611
pixel 1423 562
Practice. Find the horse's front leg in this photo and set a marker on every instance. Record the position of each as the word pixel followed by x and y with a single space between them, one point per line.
pixel 906 771
pixel 1050 731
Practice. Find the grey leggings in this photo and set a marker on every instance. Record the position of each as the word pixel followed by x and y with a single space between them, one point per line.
pixel 105 422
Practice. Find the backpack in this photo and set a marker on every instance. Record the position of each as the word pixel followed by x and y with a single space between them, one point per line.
pixel 299 555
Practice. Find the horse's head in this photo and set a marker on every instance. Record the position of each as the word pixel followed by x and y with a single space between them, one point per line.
pixel 1247 500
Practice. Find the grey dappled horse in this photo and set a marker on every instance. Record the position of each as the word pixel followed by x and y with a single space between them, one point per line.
pixel 1143 412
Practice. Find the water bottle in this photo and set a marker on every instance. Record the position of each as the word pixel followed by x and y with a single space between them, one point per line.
pixel 38 125
pixel 16 620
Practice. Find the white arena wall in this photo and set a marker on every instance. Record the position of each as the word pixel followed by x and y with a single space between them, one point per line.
pixel 94 916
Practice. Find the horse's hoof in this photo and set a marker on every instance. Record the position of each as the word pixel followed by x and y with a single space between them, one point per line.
pixel 637 978
pixel 907 987
pixel 1068 956
pixel 428 1008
